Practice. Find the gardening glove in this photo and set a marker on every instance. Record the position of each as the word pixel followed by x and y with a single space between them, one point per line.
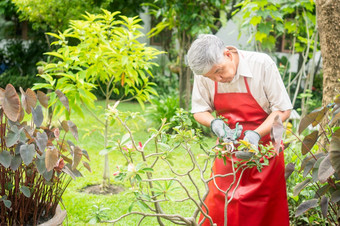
pixel 252 137
pixel 222 131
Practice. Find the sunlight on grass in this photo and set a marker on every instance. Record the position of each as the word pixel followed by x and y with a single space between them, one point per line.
pixel 80 206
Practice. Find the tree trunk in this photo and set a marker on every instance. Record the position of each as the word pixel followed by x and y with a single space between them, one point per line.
pixel 184 73
pixel 328 20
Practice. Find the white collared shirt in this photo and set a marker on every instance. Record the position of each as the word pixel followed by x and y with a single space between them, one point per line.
pixel 263 78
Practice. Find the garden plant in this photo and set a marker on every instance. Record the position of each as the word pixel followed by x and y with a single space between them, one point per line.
pixel 320 167
pixel 100 53
pixel 143 161
pixel 37 163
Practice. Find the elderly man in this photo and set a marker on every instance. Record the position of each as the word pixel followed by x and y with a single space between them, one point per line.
pixel 245 88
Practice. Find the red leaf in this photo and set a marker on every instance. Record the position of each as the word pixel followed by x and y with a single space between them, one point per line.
pixel 28 99
pixel 77 154
pixel 43 99
pixel 51 159
pixel 11 103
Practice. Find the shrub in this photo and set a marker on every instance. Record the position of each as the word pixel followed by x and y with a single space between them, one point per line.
pixel 320 167
pixel 35 158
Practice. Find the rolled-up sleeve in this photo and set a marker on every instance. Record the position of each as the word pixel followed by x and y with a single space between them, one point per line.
pixel 202 98
pixel 275 90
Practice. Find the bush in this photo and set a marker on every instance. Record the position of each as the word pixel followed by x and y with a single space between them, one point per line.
pixel 320 169
pixel 10 77
pixel 167 106
pixel 19 58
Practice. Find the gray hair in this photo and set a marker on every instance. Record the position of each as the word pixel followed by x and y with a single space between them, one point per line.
pixel 204 52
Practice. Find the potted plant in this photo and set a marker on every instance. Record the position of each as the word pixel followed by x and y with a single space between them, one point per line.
pixel 36 161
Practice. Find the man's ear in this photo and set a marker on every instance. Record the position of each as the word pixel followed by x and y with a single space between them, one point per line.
pixel 227 53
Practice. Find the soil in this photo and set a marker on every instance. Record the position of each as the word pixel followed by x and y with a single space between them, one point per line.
pixel 97 189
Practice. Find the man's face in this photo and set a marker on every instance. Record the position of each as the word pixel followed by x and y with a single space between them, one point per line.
pixel 223 72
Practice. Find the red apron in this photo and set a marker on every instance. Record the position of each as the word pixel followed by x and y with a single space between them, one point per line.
pixel 260 199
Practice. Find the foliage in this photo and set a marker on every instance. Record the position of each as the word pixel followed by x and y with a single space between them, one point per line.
pixel 98 214
pixel 10 77
pixel 107 56
pixel 186 19
pixel 293 23
pixel 143 161
pixel 320 168
pixel 35 160
pixel 271 19
pixel 20 59
pixel 128 8
pixel 167 107
pixel 53 15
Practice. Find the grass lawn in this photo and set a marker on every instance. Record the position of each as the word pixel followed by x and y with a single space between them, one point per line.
pixel 80 206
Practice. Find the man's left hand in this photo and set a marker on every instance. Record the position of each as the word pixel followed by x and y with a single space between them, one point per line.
pixel 252 137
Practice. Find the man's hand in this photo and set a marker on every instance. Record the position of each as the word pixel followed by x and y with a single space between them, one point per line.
pixel 222 131
pixel 252 137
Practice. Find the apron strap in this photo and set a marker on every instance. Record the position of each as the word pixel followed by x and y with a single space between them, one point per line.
pixel 247 86
pixel 216 88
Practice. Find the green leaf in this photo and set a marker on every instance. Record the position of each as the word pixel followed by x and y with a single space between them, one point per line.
pixel 7 203
pixel 40 164
pixel 12 137
pixel 16 162
pixel 255 20
pixel 5 158
pixel 142 205
pixel 55 54
pixel 26 191
pixel 27 153
pixel 48 175
pixel 265 28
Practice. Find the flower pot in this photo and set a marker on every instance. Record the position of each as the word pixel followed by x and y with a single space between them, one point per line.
pixel 57 219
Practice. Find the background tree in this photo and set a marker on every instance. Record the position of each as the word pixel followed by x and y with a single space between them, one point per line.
pixel 186 19
pixel 106 56
pixel 328 19
pixel 288 26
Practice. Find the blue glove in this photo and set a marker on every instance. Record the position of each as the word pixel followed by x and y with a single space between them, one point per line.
pixel 222 131
pixel 252 137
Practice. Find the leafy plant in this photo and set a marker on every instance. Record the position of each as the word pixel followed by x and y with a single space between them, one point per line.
pixel 143 161
pixel 106 54
pixel 321 166
pixel 20 58
pixel 98 214
pixel 167 107
pixel 36 161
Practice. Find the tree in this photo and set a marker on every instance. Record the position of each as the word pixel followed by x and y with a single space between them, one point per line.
pixel 328 19
pixel 106 56
pixel 186 19
pixel 271 21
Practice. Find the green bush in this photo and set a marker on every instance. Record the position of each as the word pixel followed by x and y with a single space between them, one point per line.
pixel 167 106
pixel 10 76
pixel 20 59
